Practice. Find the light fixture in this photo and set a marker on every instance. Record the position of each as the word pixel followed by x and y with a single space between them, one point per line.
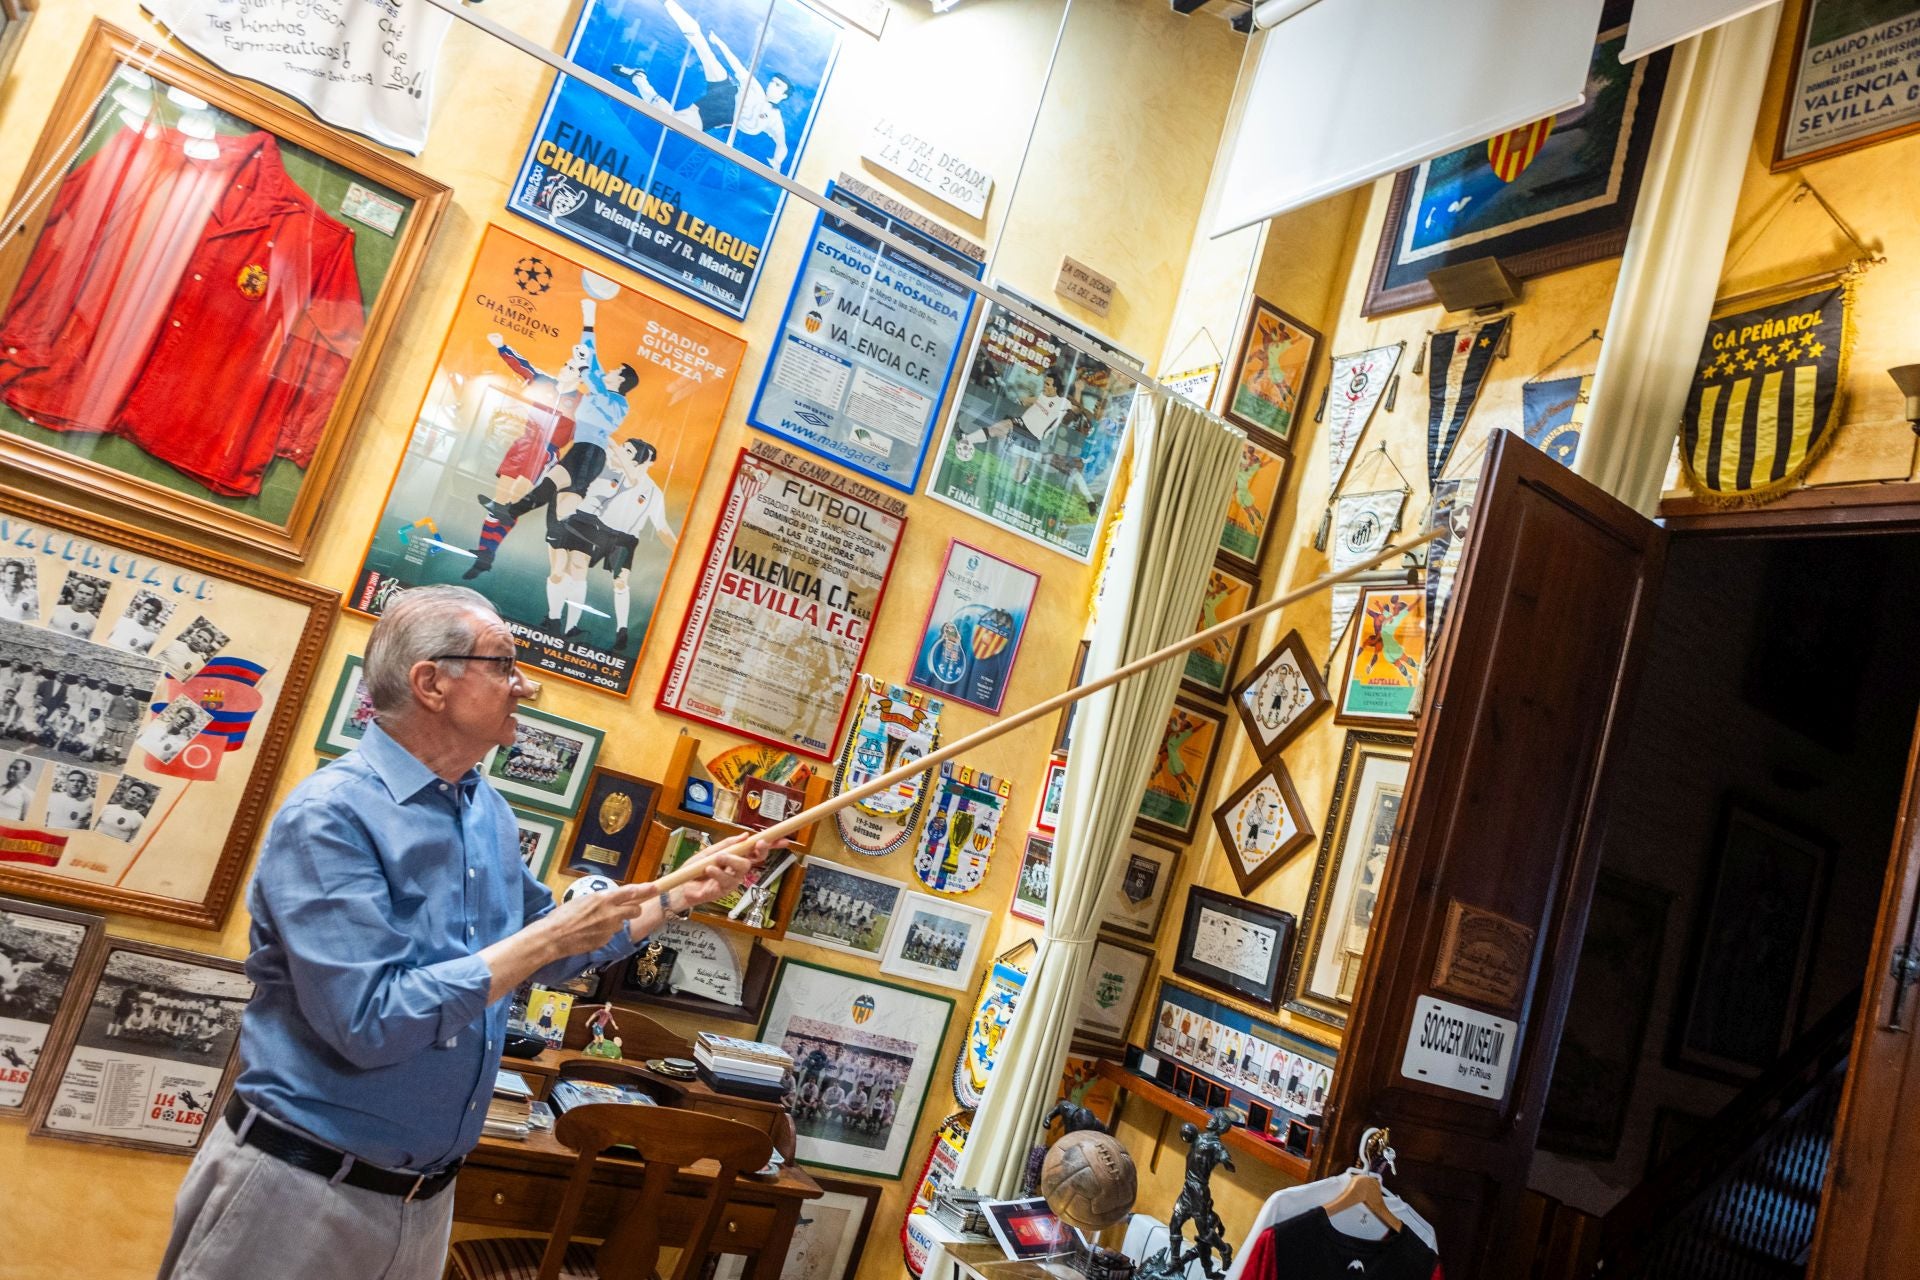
pixel 1271 13
pixel 1907 378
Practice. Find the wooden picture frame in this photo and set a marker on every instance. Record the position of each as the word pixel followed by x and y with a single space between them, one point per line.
pixel 1253 399
pixel 46 949
pixel 1137 903
pixel 1098 1030
pixel 1261 825
pixel 239 639
pixel 1229 593
pixel 1740 1007
pixel 1235 946
pixel 1390 699
pixel 540 837
pixel 1534 241
pixel 1790 58
pixel 267 522
pixel 1281 696
pixel 187 1070
pixel 1266 463
pixel 521 772
pixel 1347 874
pixel 1170 807
pixel 612 827
pixel 1063 725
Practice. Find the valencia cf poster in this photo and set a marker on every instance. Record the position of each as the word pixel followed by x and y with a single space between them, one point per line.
pixel 554 458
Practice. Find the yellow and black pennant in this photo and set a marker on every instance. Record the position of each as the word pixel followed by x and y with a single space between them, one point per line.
pixel 1765 395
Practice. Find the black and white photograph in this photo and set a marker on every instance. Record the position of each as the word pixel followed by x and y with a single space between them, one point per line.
pixel 19 780
pixel 1035 881
pixel 39 947
pixel 71 802
pixel 189 651
pixel 936 941
pixel 151 1056
pixel 845 910
pixel 127 808
pixel 67 699
pixel 77 610
pixel 19 590
pixel 139 627
pixel 171 731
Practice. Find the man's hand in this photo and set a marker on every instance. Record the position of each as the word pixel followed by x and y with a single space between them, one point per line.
pixel 590 920
pixel 722 870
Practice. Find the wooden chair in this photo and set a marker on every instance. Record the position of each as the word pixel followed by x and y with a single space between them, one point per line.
pixel 666 1140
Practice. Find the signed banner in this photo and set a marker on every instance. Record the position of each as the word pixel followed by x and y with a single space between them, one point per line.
pixel 365 67
pixel 868 340
pixel 784 607
pixel 744 72
pixel 554 458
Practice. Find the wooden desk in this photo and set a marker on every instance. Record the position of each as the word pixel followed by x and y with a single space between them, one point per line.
pixel 519 1185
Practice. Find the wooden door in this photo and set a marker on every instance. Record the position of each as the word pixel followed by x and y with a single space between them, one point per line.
pixel 1869 1222
pixel 1493 862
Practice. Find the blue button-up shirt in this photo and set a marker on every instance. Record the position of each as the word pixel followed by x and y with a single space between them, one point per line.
pixel 377 886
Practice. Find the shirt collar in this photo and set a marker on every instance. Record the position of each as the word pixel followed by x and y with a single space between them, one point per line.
pixel 401 770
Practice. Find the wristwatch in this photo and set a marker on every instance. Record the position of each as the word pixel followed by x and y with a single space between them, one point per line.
pixel 666 907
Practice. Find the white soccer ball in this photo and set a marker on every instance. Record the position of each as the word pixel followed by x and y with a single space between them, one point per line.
pixel 598 286
pixel 588 884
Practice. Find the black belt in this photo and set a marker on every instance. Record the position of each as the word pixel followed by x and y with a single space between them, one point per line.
pixel 316 1157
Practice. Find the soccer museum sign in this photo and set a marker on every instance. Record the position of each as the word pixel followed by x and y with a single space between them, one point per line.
pixel 612 179
pixel 554 459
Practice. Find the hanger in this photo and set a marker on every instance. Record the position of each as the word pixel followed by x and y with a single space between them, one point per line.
pixel 1364 1188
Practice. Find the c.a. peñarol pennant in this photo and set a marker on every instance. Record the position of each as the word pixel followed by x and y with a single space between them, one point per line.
pixel 1765 395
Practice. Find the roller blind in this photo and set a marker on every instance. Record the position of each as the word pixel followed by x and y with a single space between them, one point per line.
pixel 1659 23
pixel 1348 90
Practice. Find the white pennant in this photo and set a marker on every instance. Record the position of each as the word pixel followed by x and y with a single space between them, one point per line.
pixel 1358 382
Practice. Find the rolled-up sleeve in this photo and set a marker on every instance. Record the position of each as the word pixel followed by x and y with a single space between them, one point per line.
pixel 331 903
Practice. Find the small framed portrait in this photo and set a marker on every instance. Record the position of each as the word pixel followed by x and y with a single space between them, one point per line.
pixel 1052 795
pixel 1139 898
pixel 1235 946
pixel 539 839
pixel 1035 881
pixel 548 765
pixel 1259 480
pixel 1273 374
pixel 140 625
pixel 349 712
pixel 613 824
pixel 1229 593
pixel 1281 696
pixel 1386 658
pixel 41 949
pixel 1261 824
pixel 19 589
pixel 936 941
pixel 77 607
pixel 1063 726
pixel 843 909
pixel 1182 769
pixel 149 1062
pixel 1115 984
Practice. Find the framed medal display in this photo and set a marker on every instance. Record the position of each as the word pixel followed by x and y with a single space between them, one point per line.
pixel 1280 697
pixel 115 354
pixel 613 824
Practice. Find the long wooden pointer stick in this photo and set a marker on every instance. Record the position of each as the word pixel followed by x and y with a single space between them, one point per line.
pixel 980 737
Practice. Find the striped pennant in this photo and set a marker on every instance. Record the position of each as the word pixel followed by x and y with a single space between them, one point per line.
pixel 1511 152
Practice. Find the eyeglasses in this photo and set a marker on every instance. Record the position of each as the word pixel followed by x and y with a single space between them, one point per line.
pixel 503 665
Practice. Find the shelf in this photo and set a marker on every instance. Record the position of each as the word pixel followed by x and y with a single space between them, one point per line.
pixel 1237 1138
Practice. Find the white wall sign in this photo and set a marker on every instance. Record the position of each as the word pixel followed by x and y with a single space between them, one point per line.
pixel 933 168
pixel 364 67
pixel 1459 1048
pixel 1084 285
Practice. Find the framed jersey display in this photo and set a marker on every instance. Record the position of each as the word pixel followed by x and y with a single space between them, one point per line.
pixel 211 387
pixel 554 458
pixel 147 694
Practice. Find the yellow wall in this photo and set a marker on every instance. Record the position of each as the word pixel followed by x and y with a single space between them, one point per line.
pixel 1116 177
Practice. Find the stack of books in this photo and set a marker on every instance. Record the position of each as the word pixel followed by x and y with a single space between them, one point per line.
pixel 568 1094
pixel 746 1067
pixel 510 1110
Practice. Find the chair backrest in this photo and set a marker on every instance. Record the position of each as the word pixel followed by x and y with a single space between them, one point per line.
pixel 618 1071
pixel 666 1140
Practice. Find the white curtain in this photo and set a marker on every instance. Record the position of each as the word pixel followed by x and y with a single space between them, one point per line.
pixel 1175 505
pixel 1671 270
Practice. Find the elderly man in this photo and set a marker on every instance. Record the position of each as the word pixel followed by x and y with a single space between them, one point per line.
pixel 392 919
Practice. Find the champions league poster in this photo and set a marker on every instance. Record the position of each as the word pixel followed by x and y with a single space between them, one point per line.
pixel 612 179
pixel 554 459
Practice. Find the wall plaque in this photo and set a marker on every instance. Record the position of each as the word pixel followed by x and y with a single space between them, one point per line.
pixel 1483 957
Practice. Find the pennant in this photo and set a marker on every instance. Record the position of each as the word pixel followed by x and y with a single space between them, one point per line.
pixel 1460 358
pixel 1357 384
pixel 1765 399
pixel 227 688
pixel 1362 523
pixel 958 839
pixel 894 726
pixel 993 1010
pixel 1452 516
pixel 1551 416
pixel 1511 152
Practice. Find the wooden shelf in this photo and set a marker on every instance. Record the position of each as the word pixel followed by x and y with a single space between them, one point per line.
pixel 1242 1143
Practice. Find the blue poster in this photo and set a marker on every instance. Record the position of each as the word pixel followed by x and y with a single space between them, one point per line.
pixel 867 343
pixel 613 180
pixel 974 626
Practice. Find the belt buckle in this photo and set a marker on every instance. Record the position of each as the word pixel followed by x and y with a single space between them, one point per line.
pixel 418 1182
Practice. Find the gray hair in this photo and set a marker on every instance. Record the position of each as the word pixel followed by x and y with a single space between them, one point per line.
pixel 416 626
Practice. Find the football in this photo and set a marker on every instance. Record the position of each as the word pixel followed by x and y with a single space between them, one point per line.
pixel 533 275
pixel 1088 1180
pixel 588 884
